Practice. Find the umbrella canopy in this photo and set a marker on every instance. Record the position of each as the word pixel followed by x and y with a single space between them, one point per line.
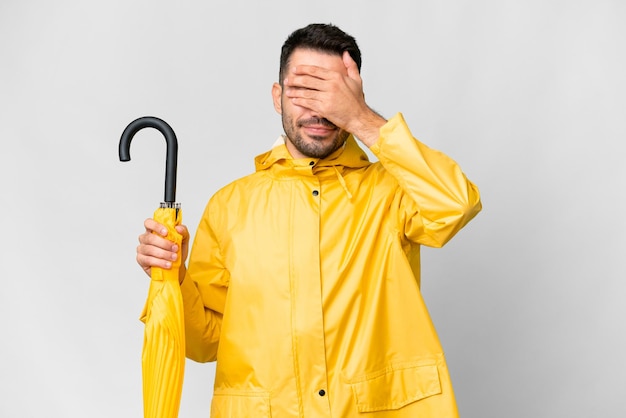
pixel 163 355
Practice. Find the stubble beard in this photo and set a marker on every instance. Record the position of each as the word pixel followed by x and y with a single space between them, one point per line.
pixel 315 148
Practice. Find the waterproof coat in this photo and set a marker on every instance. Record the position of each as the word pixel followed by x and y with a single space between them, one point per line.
pixel 304 283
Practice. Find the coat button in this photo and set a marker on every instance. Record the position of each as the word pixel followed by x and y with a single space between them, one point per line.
pixel 315 192
pixel 322 392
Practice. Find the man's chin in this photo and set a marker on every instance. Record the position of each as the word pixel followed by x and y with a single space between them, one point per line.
pixel 321 148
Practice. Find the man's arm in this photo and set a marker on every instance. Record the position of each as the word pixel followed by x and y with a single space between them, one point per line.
pixel 441 200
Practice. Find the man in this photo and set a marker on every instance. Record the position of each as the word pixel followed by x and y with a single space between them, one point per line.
pixel 303 280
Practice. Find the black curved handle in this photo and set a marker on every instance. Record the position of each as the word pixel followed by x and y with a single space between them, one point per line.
pixel 171 159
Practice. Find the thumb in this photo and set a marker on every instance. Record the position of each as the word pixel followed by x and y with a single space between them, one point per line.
pixel 351 67
pixel 182 230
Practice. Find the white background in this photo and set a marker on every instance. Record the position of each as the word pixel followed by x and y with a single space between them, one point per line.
pixel 528 96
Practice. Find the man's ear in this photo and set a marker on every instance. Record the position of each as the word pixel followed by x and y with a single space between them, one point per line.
pixel 277 92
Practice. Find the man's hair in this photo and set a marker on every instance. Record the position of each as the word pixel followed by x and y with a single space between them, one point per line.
pixel 319 37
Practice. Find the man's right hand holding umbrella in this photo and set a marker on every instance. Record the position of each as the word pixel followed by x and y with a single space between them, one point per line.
pixel 154 250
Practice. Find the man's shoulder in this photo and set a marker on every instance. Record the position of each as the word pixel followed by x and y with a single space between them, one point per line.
pixel 242 185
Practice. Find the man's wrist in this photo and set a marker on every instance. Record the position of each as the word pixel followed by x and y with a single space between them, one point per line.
pixel 368 128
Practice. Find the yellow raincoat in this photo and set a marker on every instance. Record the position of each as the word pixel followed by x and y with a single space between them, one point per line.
pixel 303 282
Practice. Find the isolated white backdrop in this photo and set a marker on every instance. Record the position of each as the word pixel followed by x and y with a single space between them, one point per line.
pixel 528 96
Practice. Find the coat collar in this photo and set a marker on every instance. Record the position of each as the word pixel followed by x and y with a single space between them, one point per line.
pixel 348 156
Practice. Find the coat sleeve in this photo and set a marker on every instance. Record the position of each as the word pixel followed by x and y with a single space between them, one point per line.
pixel 438 200
pixel 204 292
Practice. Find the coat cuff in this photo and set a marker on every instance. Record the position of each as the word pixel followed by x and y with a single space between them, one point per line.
pixel 394 124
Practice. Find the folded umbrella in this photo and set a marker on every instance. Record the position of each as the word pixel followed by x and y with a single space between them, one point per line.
pixel 163 354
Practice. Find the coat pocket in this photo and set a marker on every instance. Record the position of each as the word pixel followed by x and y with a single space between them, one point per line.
pixel 395 387
pixel 240 404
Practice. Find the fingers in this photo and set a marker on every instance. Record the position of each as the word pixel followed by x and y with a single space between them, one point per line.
pixel 313 77
pixel 154 250
pixel 310 87
pixel 153 226
pixel 312 71
pixel 307 84
pixel 148 257
pixel 309 77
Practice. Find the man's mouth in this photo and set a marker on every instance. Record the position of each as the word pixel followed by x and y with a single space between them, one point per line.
pixel 317 123
pixel 317 126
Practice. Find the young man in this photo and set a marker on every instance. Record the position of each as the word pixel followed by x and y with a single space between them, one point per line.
pixel 303 280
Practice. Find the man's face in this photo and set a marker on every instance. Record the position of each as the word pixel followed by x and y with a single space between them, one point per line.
pixel 309 134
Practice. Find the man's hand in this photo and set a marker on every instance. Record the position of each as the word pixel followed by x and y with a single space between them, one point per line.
pixel 156 251
pixel 335 96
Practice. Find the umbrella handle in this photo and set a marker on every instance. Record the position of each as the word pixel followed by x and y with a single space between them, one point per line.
pixel 172 149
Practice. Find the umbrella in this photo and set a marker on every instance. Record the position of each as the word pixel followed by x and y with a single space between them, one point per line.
pixel 163 355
